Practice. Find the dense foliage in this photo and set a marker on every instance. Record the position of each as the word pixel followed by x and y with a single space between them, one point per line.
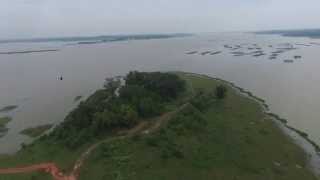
pixel 142 96
pixel 166 85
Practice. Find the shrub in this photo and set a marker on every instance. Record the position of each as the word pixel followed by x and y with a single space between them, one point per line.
pixel 220 92
pixel 202 101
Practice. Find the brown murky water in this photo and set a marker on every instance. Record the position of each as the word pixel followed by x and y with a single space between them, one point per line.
pixel 30 80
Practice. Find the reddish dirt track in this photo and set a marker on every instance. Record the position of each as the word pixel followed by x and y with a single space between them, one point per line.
pixel 50 168
pixel 55 172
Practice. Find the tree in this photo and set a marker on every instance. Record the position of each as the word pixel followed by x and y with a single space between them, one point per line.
pixel 149 107
pixel 142 96
pixel 220 92
pixel 128 115
pixel 111 84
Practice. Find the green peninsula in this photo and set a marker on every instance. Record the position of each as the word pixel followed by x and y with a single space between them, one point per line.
pixel 166 126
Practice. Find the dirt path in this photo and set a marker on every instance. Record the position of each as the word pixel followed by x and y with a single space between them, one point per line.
pixel 50 168
pixel 56 173
pixel 84 156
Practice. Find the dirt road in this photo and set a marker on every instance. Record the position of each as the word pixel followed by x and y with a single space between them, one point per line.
pixel 56 173
pixel 50 168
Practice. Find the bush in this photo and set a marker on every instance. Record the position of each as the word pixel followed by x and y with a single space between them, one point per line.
pixel 188 121
pixel 202 101
pixel 221 92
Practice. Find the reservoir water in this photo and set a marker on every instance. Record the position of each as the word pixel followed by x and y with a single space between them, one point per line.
pixel 30 80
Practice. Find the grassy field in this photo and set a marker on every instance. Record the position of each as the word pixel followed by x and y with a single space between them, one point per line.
pixel 4 121
pixel 39 152
pixel 237 141
pixel 231 139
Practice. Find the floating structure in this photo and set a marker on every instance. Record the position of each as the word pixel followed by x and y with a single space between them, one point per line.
pixel 238 53
pixel 278 51
pixel 258 55
pixel 288 61
pixel 217 52
pixel 255 52
pixel 205 53
pixel 192 52
pixel 302 44
pixel 273 56
pixel 227 46
pixel 314 43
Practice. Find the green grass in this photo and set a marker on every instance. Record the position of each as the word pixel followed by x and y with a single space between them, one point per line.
pixel 237 141
pixel 230 140
pixel 4 121
pixel 39 152
pixel 36 131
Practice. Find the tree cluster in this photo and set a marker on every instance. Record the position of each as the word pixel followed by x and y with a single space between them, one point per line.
pixel 143 96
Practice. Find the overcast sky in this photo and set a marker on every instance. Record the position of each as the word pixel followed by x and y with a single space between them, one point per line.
pixel 43 18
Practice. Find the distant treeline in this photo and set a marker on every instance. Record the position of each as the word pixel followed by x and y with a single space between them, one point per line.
pixel 312 33
pixel 96 39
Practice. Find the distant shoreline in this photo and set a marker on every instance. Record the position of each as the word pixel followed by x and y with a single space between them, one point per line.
pixel 310 33
pixel 26 52
pixel 95 39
